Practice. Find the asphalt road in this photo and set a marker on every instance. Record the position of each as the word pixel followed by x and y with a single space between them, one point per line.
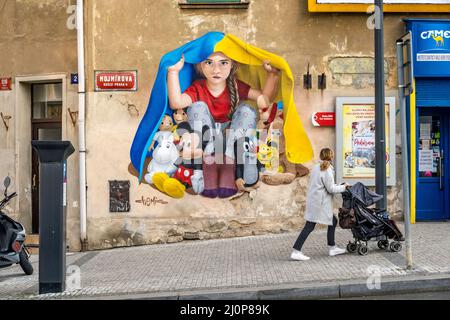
pixel 444 295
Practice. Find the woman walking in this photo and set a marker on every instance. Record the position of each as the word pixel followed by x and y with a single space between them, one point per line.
pixel 319 205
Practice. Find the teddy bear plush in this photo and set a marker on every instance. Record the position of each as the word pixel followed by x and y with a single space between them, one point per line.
pixel 289 171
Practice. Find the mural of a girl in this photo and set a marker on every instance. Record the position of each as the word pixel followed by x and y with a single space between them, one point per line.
pixel 200 82
pixel 216 100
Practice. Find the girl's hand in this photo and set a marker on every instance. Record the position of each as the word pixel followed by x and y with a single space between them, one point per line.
pixel 269 68
pixel 240 184
pixel 178 66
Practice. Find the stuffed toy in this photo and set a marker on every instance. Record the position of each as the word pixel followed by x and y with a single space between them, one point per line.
pixel 165 130
pixel 189 173
pixel 179 116
pixel 165 156
pixel 289 171
pixel 247 164
pixel 267 116
pixel 268 155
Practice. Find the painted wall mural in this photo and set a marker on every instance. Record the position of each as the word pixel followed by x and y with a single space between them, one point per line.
pixel 221 120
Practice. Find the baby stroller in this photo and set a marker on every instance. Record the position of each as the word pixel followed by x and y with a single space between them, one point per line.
pixel 367 223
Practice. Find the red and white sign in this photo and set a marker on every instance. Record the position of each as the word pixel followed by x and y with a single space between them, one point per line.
pixel 116 81
pixel 5 83
pixel 324 119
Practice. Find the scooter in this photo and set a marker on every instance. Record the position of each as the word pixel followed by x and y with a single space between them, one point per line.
pixel 12 238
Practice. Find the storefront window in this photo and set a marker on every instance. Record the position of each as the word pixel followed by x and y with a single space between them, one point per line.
pixel 47 101
pixel 429 145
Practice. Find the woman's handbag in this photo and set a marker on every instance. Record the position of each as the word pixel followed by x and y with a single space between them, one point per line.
pixel 347 219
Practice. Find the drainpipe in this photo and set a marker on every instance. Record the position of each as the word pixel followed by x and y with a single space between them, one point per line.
pixel 81 123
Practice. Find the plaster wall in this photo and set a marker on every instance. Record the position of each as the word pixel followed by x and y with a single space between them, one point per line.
pixel 134 35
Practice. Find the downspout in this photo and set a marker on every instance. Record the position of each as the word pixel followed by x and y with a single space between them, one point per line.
pixel 81 123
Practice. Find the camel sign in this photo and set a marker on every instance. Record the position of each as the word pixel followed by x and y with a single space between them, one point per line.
pixel 436 43
pixel 431 47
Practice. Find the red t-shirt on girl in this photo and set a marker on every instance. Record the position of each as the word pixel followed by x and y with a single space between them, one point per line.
pixel 218 106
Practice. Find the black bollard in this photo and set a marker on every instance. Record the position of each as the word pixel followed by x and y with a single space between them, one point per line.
pixel 52 214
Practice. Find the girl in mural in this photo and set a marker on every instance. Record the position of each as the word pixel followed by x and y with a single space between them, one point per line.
pixel 319 205
pixel 215 101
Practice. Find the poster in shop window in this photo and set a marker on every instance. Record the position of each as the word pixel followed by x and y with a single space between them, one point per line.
pixel 356 143
pixel 389 5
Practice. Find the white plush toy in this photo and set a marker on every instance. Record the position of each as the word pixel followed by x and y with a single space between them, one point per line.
pixel 164 157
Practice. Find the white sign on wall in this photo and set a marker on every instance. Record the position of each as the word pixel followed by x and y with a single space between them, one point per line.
pixel 425 160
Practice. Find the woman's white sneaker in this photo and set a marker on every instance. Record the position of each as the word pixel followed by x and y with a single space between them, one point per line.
pixel 298 255
pixel 334 251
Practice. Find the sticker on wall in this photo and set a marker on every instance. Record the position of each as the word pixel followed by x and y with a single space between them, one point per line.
pixel 198 142
pixel 5 84
pixel 119 196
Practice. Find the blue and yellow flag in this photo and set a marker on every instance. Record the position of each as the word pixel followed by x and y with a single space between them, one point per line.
pixel 298 146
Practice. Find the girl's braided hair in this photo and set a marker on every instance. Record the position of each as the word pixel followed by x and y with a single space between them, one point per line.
pixel 233 89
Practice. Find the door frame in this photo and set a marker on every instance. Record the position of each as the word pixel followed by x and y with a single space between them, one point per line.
pixel 444 112
pixel 22 133
pixel 35 177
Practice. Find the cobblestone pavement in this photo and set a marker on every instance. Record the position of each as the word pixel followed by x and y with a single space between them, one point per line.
pixel 248 262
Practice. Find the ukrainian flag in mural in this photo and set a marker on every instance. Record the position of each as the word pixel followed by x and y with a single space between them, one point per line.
pixel 250 58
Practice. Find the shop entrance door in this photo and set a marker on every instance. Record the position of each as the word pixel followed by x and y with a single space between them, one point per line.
pixel 46 125
pixel 433 178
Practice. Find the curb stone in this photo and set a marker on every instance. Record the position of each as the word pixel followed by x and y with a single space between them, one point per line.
pixel 334 290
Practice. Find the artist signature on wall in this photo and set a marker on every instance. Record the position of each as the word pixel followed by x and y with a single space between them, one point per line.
pixel 153 201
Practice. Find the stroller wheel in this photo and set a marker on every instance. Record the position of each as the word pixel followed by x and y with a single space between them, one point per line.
pixel 352 247
pixel 363 250
pixel 395 246
pixel 383 244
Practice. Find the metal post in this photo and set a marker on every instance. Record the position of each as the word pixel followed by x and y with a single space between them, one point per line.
pixel 380 129
pixel 52 214
pixel 405 165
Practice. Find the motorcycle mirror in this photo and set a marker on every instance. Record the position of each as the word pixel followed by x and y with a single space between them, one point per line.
pixel 7 182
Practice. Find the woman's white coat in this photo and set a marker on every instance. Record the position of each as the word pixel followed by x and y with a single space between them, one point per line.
pixel 319 202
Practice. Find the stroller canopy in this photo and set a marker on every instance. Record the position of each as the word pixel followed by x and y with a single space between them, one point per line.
pixel 364 195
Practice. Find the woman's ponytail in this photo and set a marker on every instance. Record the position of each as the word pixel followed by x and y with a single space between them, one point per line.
pixel 325 165
pixel 326 155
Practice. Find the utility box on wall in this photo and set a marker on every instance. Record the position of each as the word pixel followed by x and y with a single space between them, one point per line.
pixel 119 196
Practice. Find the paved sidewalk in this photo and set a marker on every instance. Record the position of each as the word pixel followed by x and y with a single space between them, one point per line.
pixel 240 267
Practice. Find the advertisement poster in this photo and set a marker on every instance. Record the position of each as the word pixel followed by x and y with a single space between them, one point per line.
pixel 355 131
pixel 359 141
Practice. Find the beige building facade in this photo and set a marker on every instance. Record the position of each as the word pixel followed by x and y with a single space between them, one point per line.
pixel 38 51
